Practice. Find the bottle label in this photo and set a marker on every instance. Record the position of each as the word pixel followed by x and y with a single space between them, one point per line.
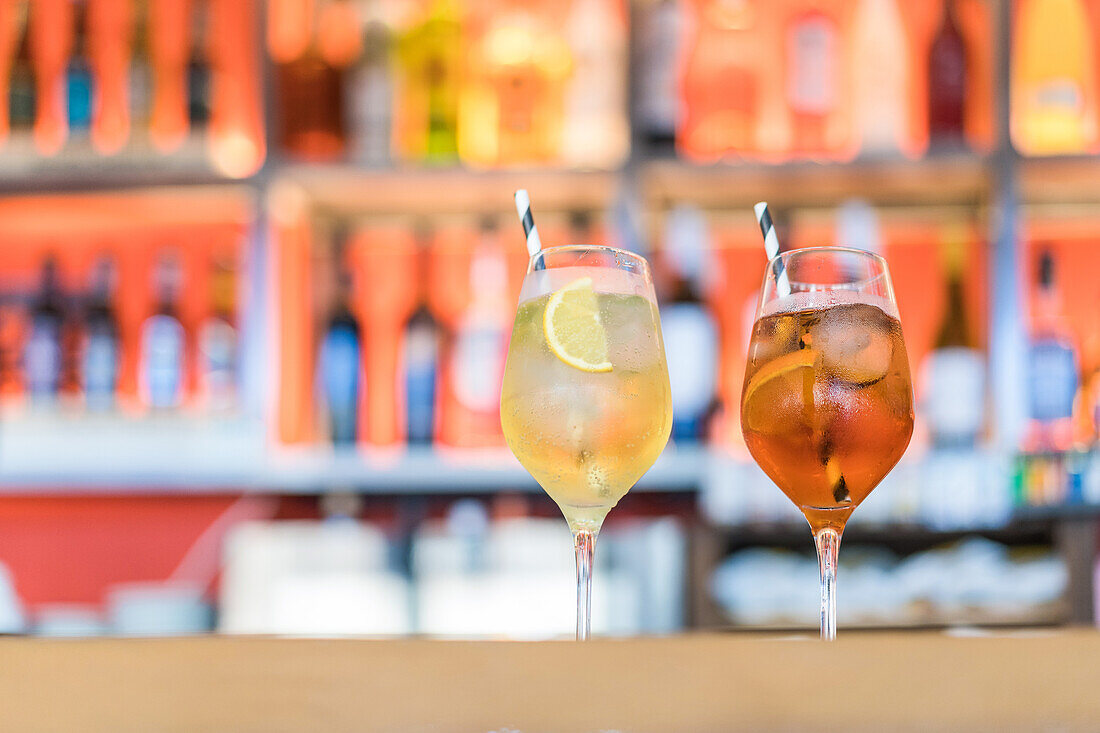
pixel 1053 380
pixel 477 369
pixel 42 358
pixel 164 347
pixel 955 394
pixel 811 69
pixel 100 369
pixel 219 360
pixel 691 340
pixel 339 373
pixel 421 354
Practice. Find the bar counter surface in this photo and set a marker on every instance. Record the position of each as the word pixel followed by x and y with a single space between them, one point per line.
pixel 1036 681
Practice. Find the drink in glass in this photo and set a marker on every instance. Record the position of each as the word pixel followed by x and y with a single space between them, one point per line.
pixel 585 405
pixel 827 406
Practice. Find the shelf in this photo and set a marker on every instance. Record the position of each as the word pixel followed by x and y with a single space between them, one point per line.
pixel 446 191
pixel 950 179
pixel 47 453
pixel 78 167
pixel 1061 181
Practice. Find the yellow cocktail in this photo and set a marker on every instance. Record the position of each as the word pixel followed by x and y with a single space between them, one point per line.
pixel 586 406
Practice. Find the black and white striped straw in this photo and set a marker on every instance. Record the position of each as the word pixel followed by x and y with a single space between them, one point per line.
pixel 771 246
pixel 523 208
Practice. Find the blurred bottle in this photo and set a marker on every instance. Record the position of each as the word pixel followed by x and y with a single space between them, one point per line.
pixel 21 91
pixel 689 329
pixel 420 347
pixel 1052 91
pixel 512 105
pixel 99 367
pixel 1052 365
pixel 720 80
pixel 79 84
pixel 169 46
pixel 163 340
pixel 954 377
pixel 430 56
pixel 596 132
pixel 339 364
pixel 311 106
pixel 660 29
pixel 198 69
pixel 141 76
pixel 218 341
pixel 371 91
pixel 13 334
pixel 813 60
pixel 478 348
pixel 880 77
pixel 947 83
pixel 42 353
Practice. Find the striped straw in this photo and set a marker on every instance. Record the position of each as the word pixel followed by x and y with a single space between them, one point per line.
pixel 523 208
pixel 771 246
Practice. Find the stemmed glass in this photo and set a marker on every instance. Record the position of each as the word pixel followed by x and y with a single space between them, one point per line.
pixel 827 405
pixel 585 404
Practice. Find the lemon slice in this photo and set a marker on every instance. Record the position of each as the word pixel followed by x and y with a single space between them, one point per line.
pixel 801 359
pixel 573 329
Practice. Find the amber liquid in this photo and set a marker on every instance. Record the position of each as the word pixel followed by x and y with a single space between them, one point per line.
pixel 827 407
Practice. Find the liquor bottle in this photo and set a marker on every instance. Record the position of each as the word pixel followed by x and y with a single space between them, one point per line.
pixel 13 333
pixel 169 44
pixel 51 31
pixel 109 39
pixel 163 341
pixel 596 133
pixel 1052 95
pixel 512 104
pixel 339 365
pixel 691 343
pixel 235 140
pixel 311 100
pixel 218 342
pixel 370 94
pixel 78 77
pixel 21 89
pixel 99 367
pixel 947 83
pixel 689 329
pixel 141 76
pixel 1052 365
pixel 420 347
pixel 880 77
pixel 479 346
pixel 42 352
pixel 660 39
pixel 428 73
pixel 954 401
pixel 721 81
pixel 12 22
pixel 812 83
pixel 198 69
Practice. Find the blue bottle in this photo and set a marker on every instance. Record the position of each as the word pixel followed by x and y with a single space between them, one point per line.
pixel 99 362
pixel 338 368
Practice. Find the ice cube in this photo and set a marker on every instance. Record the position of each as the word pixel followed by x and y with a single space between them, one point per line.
pixel 855 342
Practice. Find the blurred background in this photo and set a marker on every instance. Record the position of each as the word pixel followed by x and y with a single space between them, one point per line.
pixel 258 264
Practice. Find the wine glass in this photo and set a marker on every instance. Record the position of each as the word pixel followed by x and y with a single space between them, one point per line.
pixel 585 404
pixel 827 405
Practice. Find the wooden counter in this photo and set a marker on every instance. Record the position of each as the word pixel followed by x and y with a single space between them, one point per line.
pixel 864 682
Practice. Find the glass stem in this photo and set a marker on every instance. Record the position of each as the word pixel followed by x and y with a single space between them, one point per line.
pixel 584 541
pixel 828 544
